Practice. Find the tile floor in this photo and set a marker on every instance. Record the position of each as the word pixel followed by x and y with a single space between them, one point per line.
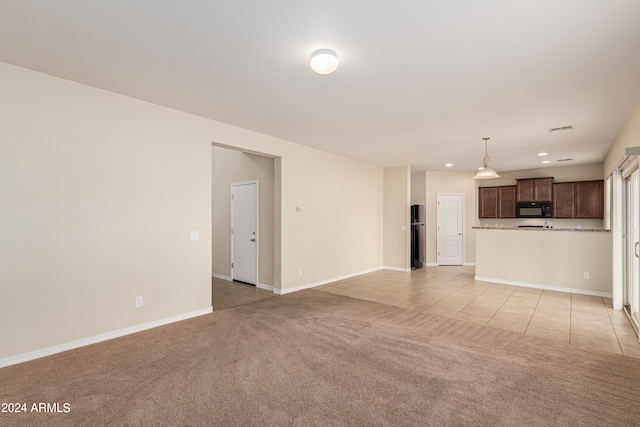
pixel 227 294
pixel 581 320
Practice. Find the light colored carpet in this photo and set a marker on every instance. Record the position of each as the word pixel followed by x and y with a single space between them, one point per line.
pixel 316 359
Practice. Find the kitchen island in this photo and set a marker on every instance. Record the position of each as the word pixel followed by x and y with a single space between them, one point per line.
pixel 577 260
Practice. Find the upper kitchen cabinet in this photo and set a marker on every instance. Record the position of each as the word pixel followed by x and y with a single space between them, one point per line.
pixel 581 199
pixel 589 199
pixel 497 202
pixel 564 201
pixel 488 202
pixel 507 201
pixel 534 189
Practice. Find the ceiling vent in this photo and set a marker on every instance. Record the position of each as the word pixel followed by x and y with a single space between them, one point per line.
pixel 564 160
pixel 561 129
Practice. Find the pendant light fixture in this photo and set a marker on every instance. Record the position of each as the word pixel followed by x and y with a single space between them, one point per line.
pixel 485 171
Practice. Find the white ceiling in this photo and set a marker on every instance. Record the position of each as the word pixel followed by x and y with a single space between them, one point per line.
pixel 420 82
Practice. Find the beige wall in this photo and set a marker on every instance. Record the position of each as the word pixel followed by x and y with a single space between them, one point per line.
pixel 99 192
pixel 419 188
pixel 629 137
pixel 555 259
pixel 229 166
pixel 450 182
pixel 397 228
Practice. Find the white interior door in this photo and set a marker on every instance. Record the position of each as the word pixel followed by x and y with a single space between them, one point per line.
pixel 244 232
pixel 450 233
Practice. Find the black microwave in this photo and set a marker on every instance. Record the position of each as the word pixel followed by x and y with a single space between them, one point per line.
pixel 533 210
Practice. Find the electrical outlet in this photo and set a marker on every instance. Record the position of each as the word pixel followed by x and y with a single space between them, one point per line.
pixel 300 272
pixel 139 301
pixel 586 275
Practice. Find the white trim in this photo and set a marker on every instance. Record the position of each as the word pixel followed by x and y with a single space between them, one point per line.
pixel 617 223
pixel 265 287
pixel 222 277
pixel 547 287
pixel 324 282
pixel 469 264
pixel 431 264
pixel 404 270
pixel 25 357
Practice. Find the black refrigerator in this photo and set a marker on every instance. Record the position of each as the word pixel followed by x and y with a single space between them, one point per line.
pixel 417 236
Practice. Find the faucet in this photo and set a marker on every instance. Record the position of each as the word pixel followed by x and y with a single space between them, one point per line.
pixel 547 224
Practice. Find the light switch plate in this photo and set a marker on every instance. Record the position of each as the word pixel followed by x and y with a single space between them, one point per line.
pixel 194 235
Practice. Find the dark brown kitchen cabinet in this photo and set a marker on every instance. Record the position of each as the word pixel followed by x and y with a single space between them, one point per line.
pixel 580 199
pixel 589 199
pixel 497 202
pixel 534 189
pixel 507 201
pixel 488 202
pixel 564 205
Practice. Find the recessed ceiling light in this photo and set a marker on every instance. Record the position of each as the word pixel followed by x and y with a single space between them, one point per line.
pixel 449 165
pixel 542 154
pixel 546 161
pixel 324 61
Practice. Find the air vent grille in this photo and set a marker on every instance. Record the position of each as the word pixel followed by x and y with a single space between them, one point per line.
pixel 561 129
pixel 564 160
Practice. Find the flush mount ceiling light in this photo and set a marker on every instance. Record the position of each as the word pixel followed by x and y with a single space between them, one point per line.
pixel 324 61
pixel 486 172
pixel 542 154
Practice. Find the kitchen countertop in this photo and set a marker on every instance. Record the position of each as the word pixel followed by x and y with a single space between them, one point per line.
pixel 542 229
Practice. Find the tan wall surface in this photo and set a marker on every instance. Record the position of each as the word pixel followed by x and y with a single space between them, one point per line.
pixel 548 258
pixel 629 137
pixel 397 199
pixel 99 192
pixel 419 188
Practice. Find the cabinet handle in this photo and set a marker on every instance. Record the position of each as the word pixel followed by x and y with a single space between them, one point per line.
pixel 636 249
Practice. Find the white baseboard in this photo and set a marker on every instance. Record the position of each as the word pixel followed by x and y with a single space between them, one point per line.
pixel 25 357
pixel 435 264
pixel 547 287
pixel 323 282
pixel 220 276
pixel 265 287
